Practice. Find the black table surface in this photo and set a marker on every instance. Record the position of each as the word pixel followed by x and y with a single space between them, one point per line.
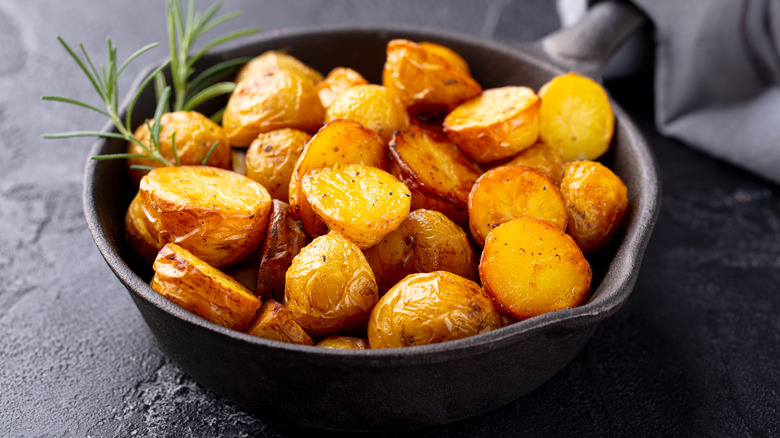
pixel 694 352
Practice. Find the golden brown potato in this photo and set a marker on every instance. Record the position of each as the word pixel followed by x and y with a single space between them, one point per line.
pixel 596 200
pixel 425 81
pixel 238 158
pixel 448 54
pixel 344 342
pixel 438 174
pixel 140 233
pixel 426 241
pixel 218 215
pixel 338 142
pixel 194 133
pixel 271 159
pixel 495 125
pixel 338 80
pixel 373 106
pixel 275 322
pixel 511 192
pixel 430 308
pixel 576 117
pixel 329 287
pixel 274 99
pixel 276 59
pixel 530 267
pixel 361 202
pixel 202 289
pixel 543 158
pixel 281 243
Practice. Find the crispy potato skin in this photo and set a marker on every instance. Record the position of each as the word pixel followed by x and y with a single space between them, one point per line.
pixel 271 159
pixel 274 99
pixel 202 289
pixel 429 79
pixel 218 215
pixel 195 135
pixel 426 241
pixel 510 192
pixel 276 59
pixel 495 125
pixel 275 322
pixel 543 158
pixel 430 308
pixel 596 200
pixel 576 117
pixel 329 287
pixel 373 106
pixel 361 202
pixel 338 142
pixel 140 233
pixel 283 240
pixel 530 267
pixel 344 343
pixel 338 80
pixel 438 174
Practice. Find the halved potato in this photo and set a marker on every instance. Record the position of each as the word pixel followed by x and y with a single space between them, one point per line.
pixel 541 157
pixel 530 267
pixel 373 106
pixel 425 81
pixel 362 203
pixel 426 241
pixel 329 287
pixel 271 159
pixel 511 192
pixel 193 284
pixel 344 342
pixel 218 215
pixel 338 142
pixel 596 200
pixel 576 117
pixel 438 174
pixel 495 125
pixel 140 233
pixel 276 98
pixel 430 308
pixel 338 80
pixel 283 240
pixel 275 322
pixel 193 133
pixel 276 59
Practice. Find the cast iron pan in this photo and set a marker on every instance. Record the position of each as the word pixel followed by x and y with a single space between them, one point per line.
pixel 397 388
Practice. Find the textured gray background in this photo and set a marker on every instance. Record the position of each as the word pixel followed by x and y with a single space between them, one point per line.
pixel 695 351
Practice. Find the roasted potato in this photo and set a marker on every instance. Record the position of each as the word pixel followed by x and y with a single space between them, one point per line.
pixel 510 192
pixel 329 287
pixel 218 215
pixel 429 79
pixel 361 202
pixel 530 267
pixel 426 241
pixel 495 125
pixel 541 157
pixel 373 106
pixel 430 308
pixel 438 174
pixel 276 98
pixel 193 284
pixel 271 159
pixel 338 142
pixel 283 240
pixel 140 233
pixel 596 200
pixel 275 322
pixel 194 135
pixel 238 158
pixel 576 117
pixel 276 59
pixel 338 80
pixel 344 343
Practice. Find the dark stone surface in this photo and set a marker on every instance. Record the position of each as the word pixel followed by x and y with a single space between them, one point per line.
pixel 694 352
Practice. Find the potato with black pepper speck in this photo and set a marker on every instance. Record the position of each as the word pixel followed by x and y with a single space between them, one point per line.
pixel 275 322
pixel 276 59
pixel 283 240
pixel 373 106
pixel 271 159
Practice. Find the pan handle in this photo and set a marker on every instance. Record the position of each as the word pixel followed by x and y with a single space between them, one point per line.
pixel 586 46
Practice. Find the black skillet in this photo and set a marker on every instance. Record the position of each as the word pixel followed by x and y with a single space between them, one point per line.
pixel 412 387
